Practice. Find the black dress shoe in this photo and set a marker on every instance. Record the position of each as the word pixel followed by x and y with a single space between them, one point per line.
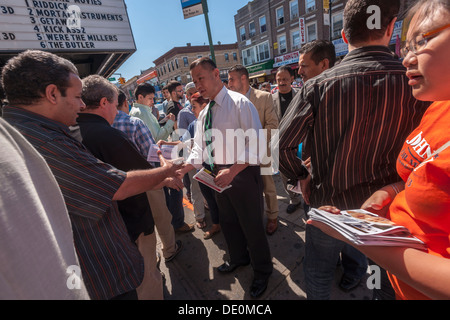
pixel 258 287
pixel 227 267
pixel 292 207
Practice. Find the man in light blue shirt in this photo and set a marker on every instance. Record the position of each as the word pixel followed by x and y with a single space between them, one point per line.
pixel 142 109
pixel 145 94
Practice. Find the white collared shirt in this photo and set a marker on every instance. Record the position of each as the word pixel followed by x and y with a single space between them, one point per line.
pixel 237 135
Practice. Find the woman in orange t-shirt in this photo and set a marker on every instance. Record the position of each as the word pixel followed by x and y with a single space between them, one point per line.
pixel 421 201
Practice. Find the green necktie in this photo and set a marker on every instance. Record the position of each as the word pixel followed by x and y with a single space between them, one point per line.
pixel 208 133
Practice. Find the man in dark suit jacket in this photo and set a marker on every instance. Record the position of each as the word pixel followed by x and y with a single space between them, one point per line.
pixel 281 100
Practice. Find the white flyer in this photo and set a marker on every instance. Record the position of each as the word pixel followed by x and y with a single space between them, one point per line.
pixel 169 152
pixel 207 178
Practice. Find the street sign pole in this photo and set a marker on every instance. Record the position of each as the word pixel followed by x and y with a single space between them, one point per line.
pixel 211 46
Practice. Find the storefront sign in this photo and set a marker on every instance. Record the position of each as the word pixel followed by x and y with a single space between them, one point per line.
pixel 302 30
pixel 260 69
pixel 398 27
pixel 289 58
pixel 341 47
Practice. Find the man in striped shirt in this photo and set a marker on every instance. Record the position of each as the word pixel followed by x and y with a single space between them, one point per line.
pixel 355 117
pixel 42 110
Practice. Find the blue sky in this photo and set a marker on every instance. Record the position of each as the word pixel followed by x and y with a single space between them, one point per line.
pixel 159 25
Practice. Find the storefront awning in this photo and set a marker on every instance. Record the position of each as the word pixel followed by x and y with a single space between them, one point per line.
pixel 147 77
pixel 257 75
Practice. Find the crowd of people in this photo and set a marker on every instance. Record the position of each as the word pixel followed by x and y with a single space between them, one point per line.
pixel 82 201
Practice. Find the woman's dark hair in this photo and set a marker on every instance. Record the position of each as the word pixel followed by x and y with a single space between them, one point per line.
pixel 26 76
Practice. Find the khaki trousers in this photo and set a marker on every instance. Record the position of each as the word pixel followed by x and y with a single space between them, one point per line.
pixel 163 221
pixel 196 196
pixel 270 195
pixel 151 287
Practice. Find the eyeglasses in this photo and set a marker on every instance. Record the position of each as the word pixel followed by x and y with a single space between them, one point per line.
pixel 420 42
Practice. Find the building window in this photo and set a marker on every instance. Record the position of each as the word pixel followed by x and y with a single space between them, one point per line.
pixel 311 32
pixel 176 63
pixel 227 58
pixel 280 16
pixel 242 33
pixel 185 61
pixel 293 6
pixel 251 29
pixel 295 39
pixel 282 48
pixel 337 24
pixel 310 5
pixel 172 65
pixel 262 24
pixel 249 56
pixel 263 51
pixel 255 54
pixel 234 56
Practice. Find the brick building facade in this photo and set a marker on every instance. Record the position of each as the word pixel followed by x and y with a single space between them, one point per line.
pixel 174 64
pixel 270 32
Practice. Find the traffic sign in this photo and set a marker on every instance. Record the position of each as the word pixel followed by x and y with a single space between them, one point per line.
pixel 191 8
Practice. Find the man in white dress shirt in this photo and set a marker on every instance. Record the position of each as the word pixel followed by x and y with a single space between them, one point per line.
pixel 234 159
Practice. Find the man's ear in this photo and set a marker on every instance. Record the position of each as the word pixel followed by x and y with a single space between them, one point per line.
pixel 390 28
pixel 325 64
pixel 343 36
pixel 217 73
pixel 51 93
pixel 103 102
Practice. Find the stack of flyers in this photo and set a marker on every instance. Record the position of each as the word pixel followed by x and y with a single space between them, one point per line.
pixel 362 227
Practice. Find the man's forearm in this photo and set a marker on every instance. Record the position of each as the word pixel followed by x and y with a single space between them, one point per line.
pixel 140 181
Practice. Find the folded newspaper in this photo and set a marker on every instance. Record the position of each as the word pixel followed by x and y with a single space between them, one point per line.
pixel 362 227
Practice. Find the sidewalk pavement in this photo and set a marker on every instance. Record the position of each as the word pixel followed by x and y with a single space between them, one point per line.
pixel 192 275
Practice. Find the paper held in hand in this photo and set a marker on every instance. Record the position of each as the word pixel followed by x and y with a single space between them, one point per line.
pixel 362 227
pixel 168 152
pixel 207 178
pixel 296 188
